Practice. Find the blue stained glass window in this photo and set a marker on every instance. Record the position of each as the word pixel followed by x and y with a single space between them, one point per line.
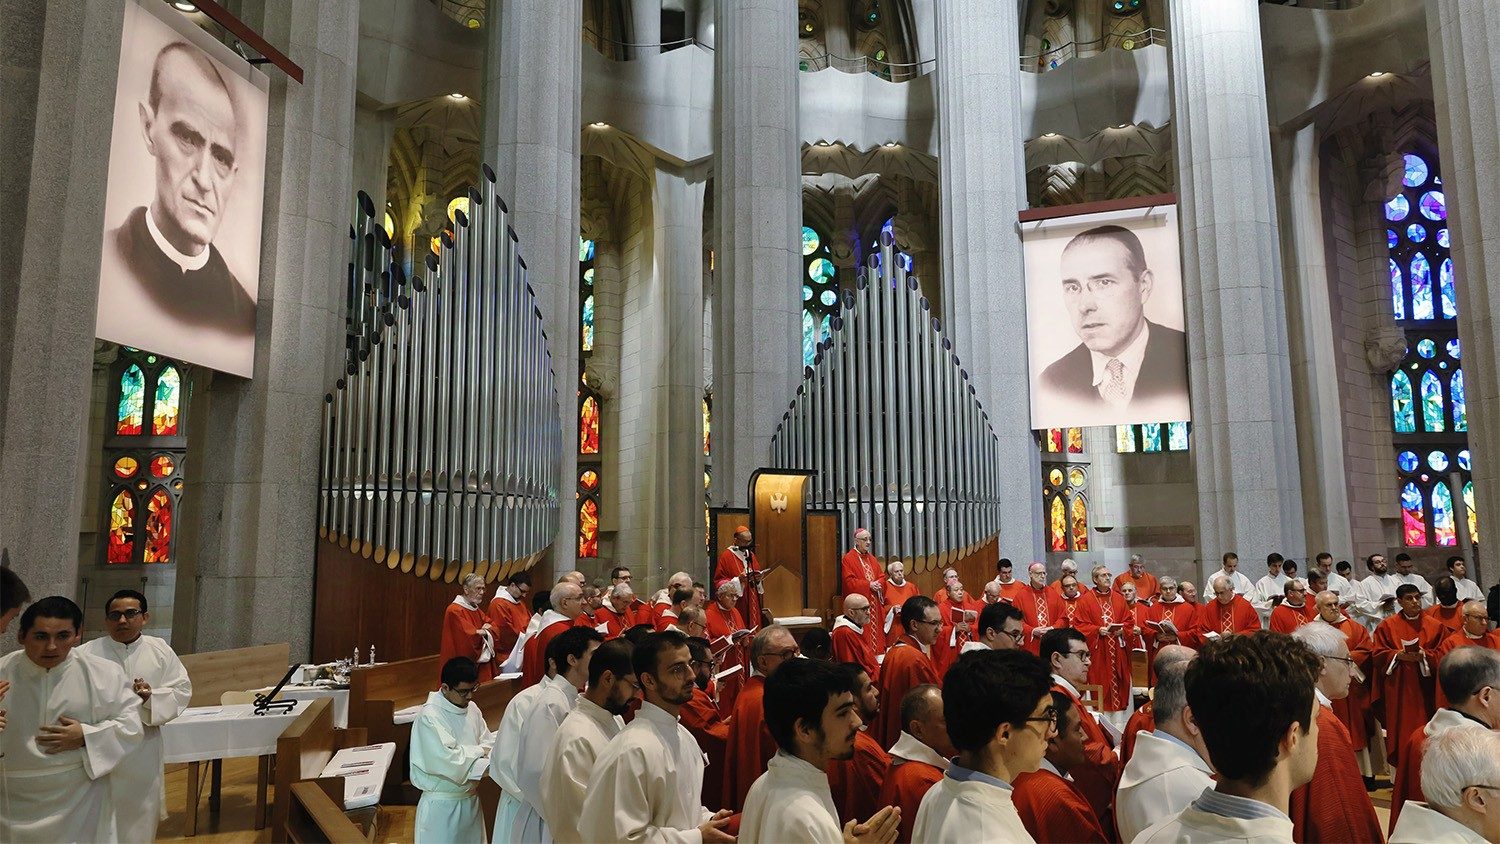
pixel 1453 349
pixel 1416 171
pixel 1426 347
pixel 809 338
pixel 806 293
pixel 588 276
pixel 1421 288
pixel 825 330
pixel 1460 403
pixel 1403 414
pixel 1446 291
pixel 1437 460
pixel 1463 460
pixel 1177 436
pixel 1390 239
pixel 1398 296
pixel 1151 436
pixel 1124 438
pixel 1432 403
pixel 1433 205
pixel 1443 528
pixel 810 241
pixel 828 298
pixel 1416 232
pixel 821 270
pixel 587 326
pixel 1397 208
pixel 1407 460
pixel 1443 238
pixel 585 250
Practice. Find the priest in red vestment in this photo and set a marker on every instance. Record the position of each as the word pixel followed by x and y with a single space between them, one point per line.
pixel 1474 632
pixel 1040 608
pixel 850 640
pixel 960 614
pixel 1227 613
pixel 509 614
pixel 1110 628
pixel 738 561
pixel 1404 669
pixel 680 599
pixel 702 718
pixel 862 573
pixel 1446 610
pixel 856 783
pixel 467 630
pixel 567 611
pixel 1354 707
pixel 749 745
pixel 1067 567
pixel 1146 588
pixel 1075 600
pixel 1296 608
pixel 907 664
pixel 1333 807
pixel 918 758
pixel 897 590
pixel 1179 604
pixel 1050 804
pixel 1065 651
pixel 617 615
pixel 1005 578
pixel 729 643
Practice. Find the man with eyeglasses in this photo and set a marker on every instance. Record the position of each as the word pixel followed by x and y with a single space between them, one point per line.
pixel 897 590
pixel 1041 608
pixel 594 721
pixel 850 642
pixel 566 612
pixel 159 679
pixel 1470 678
pixel 691 621
pixel 616 614
pixel 1474 631
pixel 646 784
pixel 1048 802
pixel 1000 717
pixel 1000 628
pixel 749 745
pixel 467 629
pixel 1462 782
pixel 908 663
pixel 1065 652
pixel 509 614
pixel 1227 613
pixel 1354 708
pixel 447 739
pixel 704 719
pixel 1334 806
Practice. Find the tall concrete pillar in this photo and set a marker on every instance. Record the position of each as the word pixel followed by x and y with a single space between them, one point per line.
pixel 758 304
pixel 982 188
pixel 255 517
pixel 533 93
pixel 1244 439
pixel 645 28
pixel 1466 90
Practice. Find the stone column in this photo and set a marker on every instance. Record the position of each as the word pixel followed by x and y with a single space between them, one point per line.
pixel 1244 440
pixel 1466 87
pixel 372 154
pixel 645 28
pixel 1314 360
pixel 758 303
pixel 980 154
pixel 532 98
pixel 255 518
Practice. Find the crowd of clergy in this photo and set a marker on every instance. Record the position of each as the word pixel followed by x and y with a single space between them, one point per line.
pixel 691 716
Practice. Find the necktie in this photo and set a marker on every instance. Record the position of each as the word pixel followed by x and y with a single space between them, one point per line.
pixel 1114 381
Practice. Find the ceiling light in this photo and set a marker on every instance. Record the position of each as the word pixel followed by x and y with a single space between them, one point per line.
pixel 1123 126
pixel 457 96
pixel 599 124
pixel 1050 135
pixel 890 143
pixel 1377 74
pixel 184 6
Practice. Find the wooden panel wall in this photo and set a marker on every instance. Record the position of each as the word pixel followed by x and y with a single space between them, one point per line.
pixel 362 603
pixel 824 581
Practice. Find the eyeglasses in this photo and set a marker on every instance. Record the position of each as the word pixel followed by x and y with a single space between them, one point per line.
pixel 680 669
pixel 699 663
pixel 925 621
pixel 1084 656
pixel 469 692
pixel 789 653
pixel 1014 635
pixel 1048 717
pixel 131 614
pixel 1341 659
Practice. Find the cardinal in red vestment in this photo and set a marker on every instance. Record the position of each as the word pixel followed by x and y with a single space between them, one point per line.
pixel 617 615
pixel 509 614
pixel 918 758
pixel 1110 628
pixel 1075 600
pixel 702 718
pixel 851 640
pixel 1404 669
pixel 467 630
pixel 862 573
pixel 1227 613
pixel 1040 608
pixel 856 783
pixel 897 590
pixel 960 614
pixel 567 611
pixel 907 664
pixel 724 620
pixel 1472 632
pixel 1050 804
pixel 738 561
pixel 750 746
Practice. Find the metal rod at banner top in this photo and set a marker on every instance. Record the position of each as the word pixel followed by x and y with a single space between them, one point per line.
pixel 254 40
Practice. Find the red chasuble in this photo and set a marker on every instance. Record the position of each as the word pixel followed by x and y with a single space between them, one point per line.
pixel 856 783
pixel 730 565
pixel 1184 616
pixel 749 745
pixel 667 618
pixel 905 668
pixel 1074 615
pixel 1460 639
pixel 895 596
pixel 534 659
pixel 1099 776
pixel 1039 608
pixel 1285 619
pixel 1052 809
pixel 509 619
pixel 1141 719
pixel 1406 783
pixel 950 640
pixel 1406 697
pixel 1146 587
pixel 1451 619
pixel 721 623
pixel 906 783
pixel 615 624
pixel 1110 668
pixel 850 644
pixel 1237 617
pixel 1334 807
pixel 702 719
pixel 858 571
pixel 461 637
pixel 1353 709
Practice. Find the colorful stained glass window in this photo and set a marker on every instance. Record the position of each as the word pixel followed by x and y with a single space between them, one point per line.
pixel 1390 238
pixel 589 480
pixel 162 466
pixel 1413 519
pixel 1397 209
pixel 131 412
pixel 586 327
pixel 1075 440
pixel 1460 403
pixel 1076 477
pixel 585 250
pixel 1398 291
pixel 1124 439
pixel 1177 436
pixel 1432 403
pixel 1080 523
pixel 1057 526
pixel 809 338
pixel 1151 437
pixel 1444 529
pixel 126 467
pixel 1454 349
pixel 1415 232
pixel 1473 514
pixel 588 528
pixel 1433 206
pixel 166 410
pixel 821 270
pixel 1055 476
pixel 1427 348
pixel 121 546
pixel 707 427
pixel 810 241
pixel 1437 460
pixel 1421 288
pixel 1463 460
pixel 1408 462
pixel 1442 238
pixel 1403 413
pixel 1054 440
pixel 159 528
pixel 1416 172
pixel 1447 291
pixel 588 426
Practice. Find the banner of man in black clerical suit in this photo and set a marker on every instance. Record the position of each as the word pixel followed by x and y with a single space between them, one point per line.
pixel 182 221
pixel 1104 319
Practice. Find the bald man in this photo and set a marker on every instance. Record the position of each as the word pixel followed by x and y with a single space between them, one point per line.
pixel 919 755
pixel 851 635
pixel 566 611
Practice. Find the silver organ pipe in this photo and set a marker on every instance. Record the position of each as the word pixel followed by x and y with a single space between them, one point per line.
pixel 442 437
pixel 889 420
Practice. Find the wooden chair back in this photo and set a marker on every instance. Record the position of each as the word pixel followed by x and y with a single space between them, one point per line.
pixel 302 751
pixel 315 815
pixel 215 672
pixel 1090 694
pixel 376 694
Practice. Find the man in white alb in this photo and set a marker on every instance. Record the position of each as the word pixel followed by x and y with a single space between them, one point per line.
pixel 159 679
pixel 1468 590
pixel 1406 573
pixel 1169 767
pixel 567 672
pixel 1336 583
pixel 587 730
pixel 1268 589
pixel 1237 579
pixel 447 740
pixel 1377 593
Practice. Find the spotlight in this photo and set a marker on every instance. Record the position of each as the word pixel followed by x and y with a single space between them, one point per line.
pixel 1377 74
pixel 184 6
pixel 599 124
pixel 1049 135
pixel 457 96
pixel 890 143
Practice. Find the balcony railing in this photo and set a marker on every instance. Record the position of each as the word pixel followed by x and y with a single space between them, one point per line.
pixel 1054 56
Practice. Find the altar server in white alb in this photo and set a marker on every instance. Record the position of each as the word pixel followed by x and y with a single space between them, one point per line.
pixel 567 671
pixel 448 737
pixel 70 722
pixel 158 678
pixel 586 731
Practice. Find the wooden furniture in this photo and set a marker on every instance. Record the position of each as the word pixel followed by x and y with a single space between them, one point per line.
pixel 215 672
pixel 301 753
pixel 314 815
pixel 376 694
pixel 1090 694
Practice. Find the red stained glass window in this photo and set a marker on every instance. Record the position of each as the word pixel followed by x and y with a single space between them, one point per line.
pixel 159 528
pixel 121 528
pixel 1075 440
pixel 588 528
pixel 129 415
pixel 1057 527
pixel 1080 523
pixel 126 467
pixel 588 426
pixel 589 480
pixel 161 466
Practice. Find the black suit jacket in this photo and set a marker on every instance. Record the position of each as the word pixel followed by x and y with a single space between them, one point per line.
pixel 208 297
pixel 1163 371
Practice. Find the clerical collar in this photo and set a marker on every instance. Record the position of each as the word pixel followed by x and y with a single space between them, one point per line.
pixel 464 602
pixel 1470 717
pixel 1063 681
pixel 1322 698
pixel 1233 806
pixel 187 263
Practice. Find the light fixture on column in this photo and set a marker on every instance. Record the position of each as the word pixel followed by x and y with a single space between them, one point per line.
pixel 1049 134
pixel 891 143
pixel 184 6
pixel 599 124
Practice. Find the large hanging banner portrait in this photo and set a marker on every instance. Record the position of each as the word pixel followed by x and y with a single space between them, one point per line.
pixel 1104 319
pixel 182 210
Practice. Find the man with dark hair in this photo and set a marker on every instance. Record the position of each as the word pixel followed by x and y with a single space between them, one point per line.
pixel 71 721
pixel 646 783
pixel 1406 572
pixel 1049 804
pixel 1252 697
pixel 509 614
pixel 582 734
pixel 13 594
pixel 680 599
pixel 1005 578
pixel 1337 582
pixel 750 746
pixel 856 783
pixel 447 738
pixel 568 659
pixel 1124 361
pixel 1404 667
pixel 1230 568
pixel 817 644
pixel 1446 609
pixel 1468 590
pixel 1169 766
pixel 159 679
pixel 1000 716
pixel 1065 652
pixel 812 715
pixel 1269 590
pixel 919 757
pixel 908 663
pixel 705 721
pixel 1000 627
pixel 1377 593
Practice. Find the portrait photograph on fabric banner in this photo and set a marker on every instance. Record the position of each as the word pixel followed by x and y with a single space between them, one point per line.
pixel 1104 319
pixel 182 210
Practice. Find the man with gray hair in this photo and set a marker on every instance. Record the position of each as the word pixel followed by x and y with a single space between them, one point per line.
pixel 1461 778
pixel 467 630
pixel 1470 679
pixel 566 611
pixel 616 615
pixel 1169 767
pixel 862 572
pixel 1147 585
pixel 1228 612
pixel 1334 806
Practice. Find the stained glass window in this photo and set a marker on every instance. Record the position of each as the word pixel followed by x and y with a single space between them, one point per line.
pixel 1468 497
pixel 1413 516
pixel 590 404
pixel 707 427
pixel 166 409
pixel 1124 438
pixel 586 330
pixel 162 466
pixel 1402 413
pixel 1057 529
pixel 1065 503
pixel 1443 529
pixel 1421 288
pixel 588 426
pixel 121 528
pixel 1432 403
pixel 1447 289
pixel 1054 440
pixel 1177 436
pixel 588 528
pixel 1080 523
pixel 1460 403
pixel 1149 437
pixel 125 466
pixel 143 480
pixel 1075 440
pixel 132 401
pixel 820 292
pixel 159 528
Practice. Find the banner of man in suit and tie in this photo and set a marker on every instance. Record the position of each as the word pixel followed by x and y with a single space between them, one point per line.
pixel 182 210
pixel 1104 319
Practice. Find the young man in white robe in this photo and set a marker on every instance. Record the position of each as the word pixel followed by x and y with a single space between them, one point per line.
pixel 812 715
pixel 1260 760
pixel 998 707
pixel 159 679
pixel 1169 767
pixel 1461 781
pixel 647 784
pixel 70 722
pixel 587 729
pixel 567 671
pixel 505 760
pixel 447 739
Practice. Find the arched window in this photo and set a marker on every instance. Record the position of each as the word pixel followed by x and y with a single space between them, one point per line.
pixel 1151 437
pixel 590 410
pixel 1065 505
pixel 1429 411
pixel 588 513
pixel 143 476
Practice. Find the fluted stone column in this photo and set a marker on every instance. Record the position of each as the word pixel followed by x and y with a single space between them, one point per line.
pixel 758 302
pixel 532 98
pixel 1244 439
pixel 1466 90
pixel 983 186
